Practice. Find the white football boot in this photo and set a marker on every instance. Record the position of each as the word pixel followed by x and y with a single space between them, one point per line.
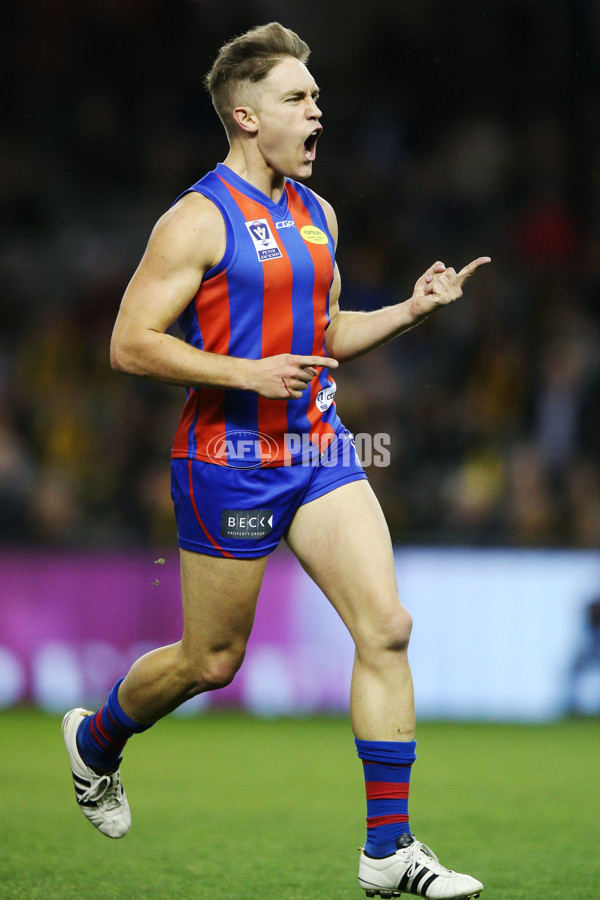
pixel 100 796
pixel 414 869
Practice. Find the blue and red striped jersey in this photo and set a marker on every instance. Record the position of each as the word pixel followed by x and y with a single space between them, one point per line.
pixel 268 295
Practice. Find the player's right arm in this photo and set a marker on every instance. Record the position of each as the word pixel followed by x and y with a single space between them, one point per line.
pixel 186 242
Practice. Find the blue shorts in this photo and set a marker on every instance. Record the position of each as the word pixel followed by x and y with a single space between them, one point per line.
pixel 244 513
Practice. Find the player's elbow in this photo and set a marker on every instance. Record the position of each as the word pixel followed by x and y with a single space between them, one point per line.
pixel 117 357
pixel 331 347
pixel 335 345
pixel 123 355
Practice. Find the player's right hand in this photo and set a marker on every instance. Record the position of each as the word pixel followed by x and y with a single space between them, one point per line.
pixel 286 376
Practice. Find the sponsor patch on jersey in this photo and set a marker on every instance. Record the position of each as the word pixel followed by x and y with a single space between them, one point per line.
pixel 313 235
pixel 246 524
pixel 324 398
pixel 264 242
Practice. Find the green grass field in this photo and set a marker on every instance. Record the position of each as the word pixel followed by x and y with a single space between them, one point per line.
pixel 227 806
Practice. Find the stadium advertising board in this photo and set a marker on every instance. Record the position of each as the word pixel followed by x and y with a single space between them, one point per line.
pixel 499 635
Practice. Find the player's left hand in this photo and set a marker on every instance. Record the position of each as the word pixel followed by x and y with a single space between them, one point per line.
pixel 439 286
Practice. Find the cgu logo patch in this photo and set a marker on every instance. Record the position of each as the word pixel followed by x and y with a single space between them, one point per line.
pixel 264 243
pixel 324 398
pixel 313 235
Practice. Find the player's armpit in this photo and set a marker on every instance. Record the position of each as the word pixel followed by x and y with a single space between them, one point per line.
pixel 334 294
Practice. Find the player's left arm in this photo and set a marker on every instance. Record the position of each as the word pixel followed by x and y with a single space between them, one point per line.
pixel 351 334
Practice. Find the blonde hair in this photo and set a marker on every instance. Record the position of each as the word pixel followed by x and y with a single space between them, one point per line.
pixel 247 60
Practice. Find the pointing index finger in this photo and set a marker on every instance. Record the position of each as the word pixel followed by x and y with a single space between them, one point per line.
pixel 467 271
pixel 310 361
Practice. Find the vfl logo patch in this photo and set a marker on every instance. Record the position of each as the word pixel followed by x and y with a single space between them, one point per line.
pixel 324 398
pixel 313 235
pixel 264 242
pixel 246 524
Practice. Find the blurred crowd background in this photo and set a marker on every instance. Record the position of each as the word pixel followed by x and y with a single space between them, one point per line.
pixel 453 129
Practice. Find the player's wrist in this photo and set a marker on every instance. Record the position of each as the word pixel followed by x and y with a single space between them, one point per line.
pixel 225 372
pixel 417 310
pixel 245 374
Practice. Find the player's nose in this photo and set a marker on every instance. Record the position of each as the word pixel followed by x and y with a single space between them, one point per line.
pixel 313 111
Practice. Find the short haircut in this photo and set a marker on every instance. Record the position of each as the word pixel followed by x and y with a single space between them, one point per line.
pixel 246 60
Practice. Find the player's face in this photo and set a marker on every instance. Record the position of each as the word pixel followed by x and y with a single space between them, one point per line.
pixel 288 119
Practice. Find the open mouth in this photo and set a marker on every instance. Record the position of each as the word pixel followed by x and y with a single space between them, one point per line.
pixel 310 145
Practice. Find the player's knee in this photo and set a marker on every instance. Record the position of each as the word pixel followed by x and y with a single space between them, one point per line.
pixel 389 634
pixel 397 629
pixel 403 628
pixel 221 672
pixel 217 670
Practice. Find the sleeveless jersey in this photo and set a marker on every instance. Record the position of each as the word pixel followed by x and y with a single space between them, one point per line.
pixel 268 295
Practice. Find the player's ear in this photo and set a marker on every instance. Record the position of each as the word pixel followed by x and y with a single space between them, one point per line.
pixel 246 119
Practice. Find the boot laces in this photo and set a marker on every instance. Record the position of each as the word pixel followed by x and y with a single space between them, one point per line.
pixel 106 788
pixel 414 852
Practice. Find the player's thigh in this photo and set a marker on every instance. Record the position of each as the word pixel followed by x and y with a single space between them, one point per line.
pixel 219 597
pixel 343 542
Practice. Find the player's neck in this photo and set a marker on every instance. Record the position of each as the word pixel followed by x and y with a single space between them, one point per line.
pixel 256 172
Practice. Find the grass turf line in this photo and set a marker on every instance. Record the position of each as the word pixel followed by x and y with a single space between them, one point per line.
pixel 228 806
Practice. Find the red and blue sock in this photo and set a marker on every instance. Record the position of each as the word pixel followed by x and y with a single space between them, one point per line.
pixel 387 766
pixel 102 736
